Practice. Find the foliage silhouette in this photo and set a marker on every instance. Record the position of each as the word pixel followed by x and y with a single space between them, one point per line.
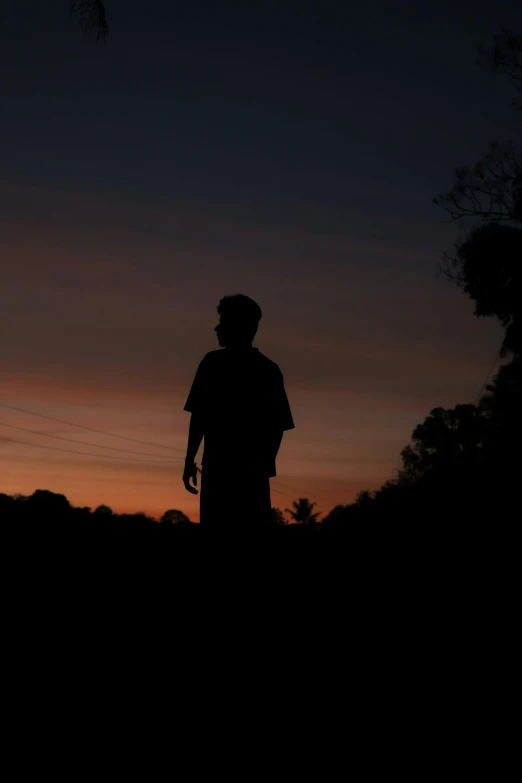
pixel 301 512
pixel 491 275
pixel 278 518
pixel 174 517
pixel 490 190
pixel 92 17
pixel 505 56
pixel 448 437
pixel 46 504
pixel 339 518
pixel 487 265
pixel 51 514
pixel 462 461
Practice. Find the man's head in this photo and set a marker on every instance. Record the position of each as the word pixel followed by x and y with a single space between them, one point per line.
pixel 239 317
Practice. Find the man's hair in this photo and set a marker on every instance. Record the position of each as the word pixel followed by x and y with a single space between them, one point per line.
pixel 242 309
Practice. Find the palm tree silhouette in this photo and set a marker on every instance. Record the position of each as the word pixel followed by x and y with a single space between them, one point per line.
pixel 302 512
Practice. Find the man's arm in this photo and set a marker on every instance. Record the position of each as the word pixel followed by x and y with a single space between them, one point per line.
pixel 196 432
pixel 275 442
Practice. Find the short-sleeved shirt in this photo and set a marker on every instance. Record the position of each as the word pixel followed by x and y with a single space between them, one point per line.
pixel 241 397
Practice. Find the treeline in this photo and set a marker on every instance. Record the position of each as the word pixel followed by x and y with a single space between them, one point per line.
pixel 46 510
pixel 464 462
pixel 46 507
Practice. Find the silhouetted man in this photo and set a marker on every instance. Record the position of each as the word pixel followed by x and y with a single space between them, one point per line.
pixel 239 405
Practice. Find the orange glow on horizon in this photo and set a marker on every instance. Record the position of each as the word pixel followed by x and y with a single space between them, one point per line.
pixel 106 328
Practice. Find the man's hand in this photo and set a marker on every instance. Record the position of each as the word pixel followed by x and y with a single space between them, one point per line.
pixel 190 472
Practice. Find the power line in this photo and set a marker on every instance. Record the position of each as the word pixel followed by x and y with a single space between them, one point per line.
pixel 91 429
pixel 81 453
pixel 277 492
pixel 286 486
pixel 101 432
pixel 284 494
pixel 299 493
pixel 95 456
pixel 83 443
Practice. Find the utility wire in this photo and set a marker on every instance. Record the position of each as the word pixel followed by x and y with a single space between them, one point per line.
pixel 83 443
pixel 96 456
pixel 277 492
pixel 286 493
pixel 91 429
pixel 286 486
pixel 81 453
pixel 112 448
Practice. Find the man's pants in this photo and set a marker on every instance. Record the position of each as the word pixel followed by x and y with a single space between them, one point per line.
pixel 235 499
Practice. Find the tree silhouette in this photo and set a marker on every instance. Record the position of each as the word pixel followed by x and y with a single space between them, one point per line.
pixel 503 397
pixel 302 512
pixel 487 264
pixel 489 190
pixel 48 503
pixel 491 274
pixel 447 438
pixel 278 518
pixel 174 517
pixel 502 405
pixel 340 517
pixel 492 188
pixel 104 511
pixel 505 56
pixel 92 16
pixel 364 498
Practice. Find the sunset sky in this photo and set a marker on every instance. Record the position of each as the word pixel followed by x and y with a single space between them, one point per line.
pixel 287 151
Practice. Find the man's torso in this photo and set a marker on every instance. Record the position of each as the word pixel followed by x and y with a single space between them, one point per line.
pixel 241 396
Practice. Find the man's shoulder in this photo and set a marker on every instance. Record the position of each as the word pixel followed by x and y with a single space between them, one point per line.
pixel 221 355
pixel 211 355
pixel 267 363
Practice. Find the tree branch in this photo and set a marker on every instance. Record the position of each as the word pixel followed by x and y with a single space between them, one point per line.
pixel 92 17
